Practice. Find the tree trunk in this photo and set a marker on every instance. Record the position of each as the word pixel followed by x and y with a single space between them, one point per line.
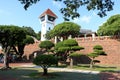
pixel 71 62
pixel 45 71
pixel 92 63
pixel 15 50
pixel 21 51
pixel 6 57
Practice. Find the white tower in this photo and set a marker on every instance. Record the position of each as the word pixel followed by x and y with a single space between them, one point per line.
pixel 47 19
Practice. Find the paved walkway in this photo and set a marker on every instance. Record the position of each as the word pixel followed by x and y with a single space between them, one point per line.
pixel 74 70
pixel 62 69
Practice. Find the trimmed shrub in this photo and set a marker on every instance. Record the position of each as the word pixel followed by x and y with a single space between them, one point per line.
pixel 70 42
pixel 93 54
pixel 98 47
pixel 45 61
pixel 75 48
pixel 75 55
pixel 46 44
pixel 63 49
pixel 58 45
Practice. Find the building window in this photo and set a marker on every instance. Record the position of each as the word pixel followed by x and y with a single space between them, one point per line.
pixel 50 18
pixel 42 18
pixel 49 28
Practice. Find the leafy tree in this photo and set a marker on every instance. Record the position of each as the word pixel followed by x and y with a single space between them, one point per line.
pixel 71 6
pixel 65 48
pixel 29 31
pixel 111 27
pixel 28 40
pixel 38 35
pixel 10 36
pixel 46 45
pixel 98 50
pixel 65 29
pixel 45 61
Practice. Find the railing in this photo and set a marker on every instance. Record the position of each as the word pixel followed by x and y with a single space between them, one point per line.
pixel 97 38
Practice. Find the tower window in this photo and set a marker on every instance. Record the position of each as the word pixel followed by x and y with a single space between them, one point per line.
pixel 49 28
pixel 42 18
pixel 50 18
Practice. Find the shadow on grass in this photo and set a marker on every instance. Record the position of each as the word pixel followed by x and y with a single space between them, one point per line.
pixel 36 74
pixel 110 76
pixel 17 74
pixel 66 76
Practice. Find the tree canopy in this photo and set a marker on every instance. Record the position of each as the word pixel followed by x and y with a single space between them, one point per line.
pixel 71 6
pixel 29 31
pixel 65 29
pixel 46 44
pixel 11 34
pixel 111 26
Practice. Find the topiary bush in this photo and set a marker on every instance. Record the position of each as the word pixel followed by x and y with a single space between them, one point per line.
pixel 98 47
pixel 98 50
pixel 66 47
pixel 75 55
pixel 45 61
pixel 58 45
pixel 46 44
pixel 70 42
pixel 75 48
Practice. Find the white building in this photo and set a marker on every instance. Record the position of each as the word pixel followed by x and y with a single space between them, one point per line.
pixel 47 20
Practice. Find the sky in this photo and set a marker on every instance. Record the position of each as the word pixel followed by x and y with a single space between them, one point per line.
pixel 13 13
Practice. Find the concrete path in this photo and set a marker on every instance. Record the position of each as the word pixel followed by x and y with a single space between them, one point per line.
pixel 64 69
pixel 74 70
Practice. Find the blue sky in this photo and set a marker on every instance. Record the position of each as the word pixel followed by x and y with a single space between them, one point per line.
pixel 13 13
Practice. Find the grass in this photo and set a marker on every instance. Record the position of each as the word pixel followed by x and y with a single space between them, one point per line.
pixel 101 68
pixel 23 73
pixel 36 74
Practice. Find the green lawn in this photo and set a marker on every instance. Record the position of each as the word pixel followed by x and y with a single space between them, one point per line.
pixel 36 74
pixel 23 73
pixel 101 68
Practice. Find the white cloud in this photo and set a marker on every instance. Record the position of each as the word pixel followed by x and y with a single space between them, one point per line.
pixel 57 4
pixel 84 19
pixel 76 20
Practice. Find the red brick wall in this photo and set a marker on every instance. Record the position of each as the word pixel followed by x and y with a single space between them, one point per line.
pixel 110 46
pixel 29 49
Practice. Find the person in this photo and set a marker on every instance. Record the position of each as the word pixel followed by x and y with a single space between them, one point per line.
pixel 13 57
pixel 1 59
pixel 35 54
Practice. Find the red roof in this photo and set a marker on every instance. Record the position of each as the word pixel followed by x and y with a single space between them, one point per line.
pixel 48 12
